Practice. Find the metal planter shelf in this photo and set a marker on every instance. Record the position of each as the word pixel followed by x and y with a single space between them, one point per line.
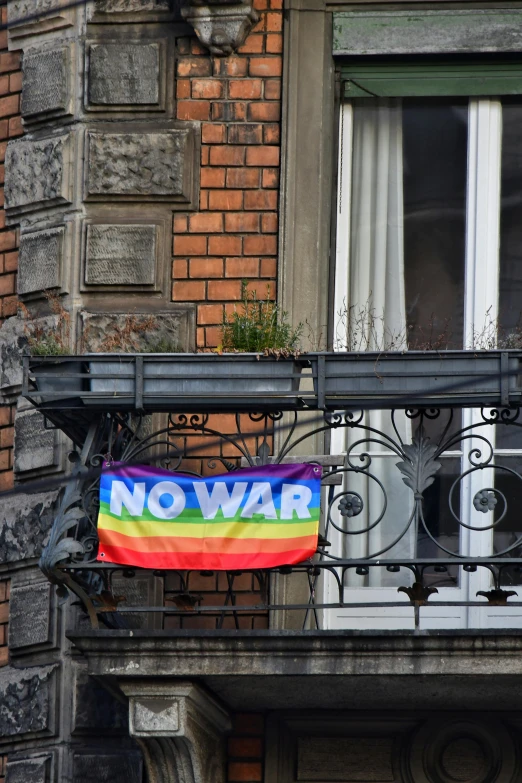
pixel 335 381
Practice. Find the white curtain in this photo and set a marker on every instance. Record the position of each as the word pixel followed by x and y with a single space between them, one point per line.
pixel 376 303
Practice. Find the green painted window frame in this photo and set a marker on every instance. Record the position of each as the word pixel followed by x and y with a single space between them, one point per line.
pixel 404 80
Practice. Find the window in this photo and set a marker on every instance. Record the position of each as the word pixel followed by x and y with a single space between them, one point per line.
pixel 428 255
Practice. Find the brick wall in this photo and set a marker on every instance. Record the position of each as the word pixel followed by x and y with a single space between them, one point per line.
pixel 233 236
pixel 10 127
pixel 245 749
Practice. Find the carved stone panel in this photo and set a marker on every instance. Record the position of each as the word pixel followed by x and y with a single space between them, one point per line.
pixel 364 759
pixel 36 173
pixel 40 260
pixel 156 715
pixel 172 327
pixel 31 770
pixel 124 74
pixel 27 701
pixel 98 768
pixel 129 6
pixel 29 616
pixel 120 254
pixel 44 85
pixel 141 166
pixel 34 445
pixel 25 522
pixel 23 16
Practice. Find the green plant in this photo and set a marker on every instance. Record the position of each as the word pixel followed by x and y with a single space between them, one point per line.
pixel 44 339
pixel 259 327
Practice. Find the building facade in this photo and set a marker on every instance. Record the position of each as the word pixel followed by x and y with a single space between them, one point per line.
pixel 358 163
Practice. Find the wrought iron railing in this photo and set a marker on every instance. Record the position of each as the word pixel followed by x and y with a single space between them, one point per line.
pixel 455 512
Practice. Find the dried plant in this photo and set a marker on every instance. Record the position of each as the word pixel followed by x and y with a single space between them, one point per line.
pixel 127 337
pixel 259 327
pixel 45 339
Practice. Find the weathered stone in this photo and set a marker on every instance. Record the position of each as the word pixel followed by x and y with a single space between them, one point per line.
pixel 20 10
pixel 172 329
pixel 152 715
pixel 44 85
pixel 34 445
pixel 345 759
pixel 29 616
pixel 105 768
pixel 31 770
pixel 26 700
pixel 124 74
pixel 120 255
pixel 40 259
pixel 14 334
pixel 25 522
pixel 95 709
pixel 139 165
pixel 221 27
pixel 35 173
pixel 126 6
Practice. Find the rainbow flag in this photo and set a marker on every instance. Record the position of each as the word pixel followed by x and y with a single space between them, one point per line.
pixel 253 518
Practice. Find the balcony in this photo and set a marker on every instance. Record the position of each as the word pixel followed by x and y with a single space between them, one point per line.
pixel 448 432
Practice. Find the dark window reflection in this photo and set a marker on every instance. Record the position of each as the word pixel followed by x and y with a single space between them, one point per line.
pixel 435 169
pixel 508 533
pixel 510 292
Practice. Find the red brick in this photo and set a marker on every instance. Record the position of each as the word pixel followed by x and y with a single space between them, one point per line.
pixel 261 199
pixel 243 178
pixel 5 416
pixel 241 267
pixel 11 261
pixel 9 306
pixel 196 47
pixel 229 200
pixel 260 5
pixel 244 771
pixel 246 134
pixel 188 290
pixel 7 241
pixel 233 111
pixel 3 39
pixel 213 134
pixel 245 88
pixel 7 285
pixel 180 223
pixel 4 129
pixel 6 437
pixel 254 44
pixel 213 337
pixel 213 177
pixel 203 199
pixel 15 82
pixel 9 105
pixel 269 221
pixel 207 88
pixel 224 246
pixel 262 245
pixel 227 156
pixel 4 460
pixel 274 43
pixel 274 23
pixel 3 586
pixel 9 61
pixel 248 723
pixel 205 156
pixel 4 651
pixel 276 4
pixel 15 127
pixel 2 174
pixel 265 66
pixel 193 110
pixel 183 45
pixel 241 222
pixel 210 314
pixel 241 747
pixel 263 289
pixel 206 224
pixel 224 290
pixel 271 134
pixel 206 267
pixel 6 482
pixel 183 88
pixel 262 156
pixel 186 245
pixel 270 178
pixel 193 66
pixel 264 112
pixel 230 66
pixel 180 268
pixel 268 267
pixel 4 85
pixel 272 89
pixel 2 218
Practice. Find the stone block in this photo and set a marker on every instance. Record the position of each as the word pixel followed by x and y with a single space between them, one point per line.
pixel 36 173
pixel 129 6
pixel 172 326
pixel 31 770
pixel 44 84
pixel 23 16
pixel 152 715
pixel 13 343
pixel 27 701
pixel 144 166
pixel 40 260
pixel 120 254
pixel 29 616
pixel 25 522
pixel 34 445
pixel 105 768
pixel 94 709
pixel 124 74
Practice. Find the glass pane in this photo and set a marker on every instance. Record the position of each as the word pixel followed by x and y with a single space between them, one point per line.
pixel 435 169
pixel 508 532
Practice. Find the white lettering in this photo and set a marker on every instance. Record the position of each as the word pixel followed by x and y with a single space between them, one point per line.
pixel 122 496
pixel 219 498
pixel 295 497
pixel 260 501
pixel 176 505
